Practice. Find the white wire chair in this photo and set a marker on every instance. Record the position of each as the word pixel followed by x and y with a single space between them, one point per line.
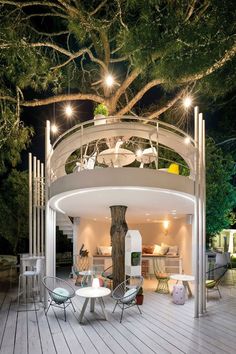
pixel 125 294
pixel 60 293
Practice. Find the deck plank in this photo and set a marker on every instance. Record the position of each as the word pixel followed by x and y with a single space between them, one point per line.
pixel 162 328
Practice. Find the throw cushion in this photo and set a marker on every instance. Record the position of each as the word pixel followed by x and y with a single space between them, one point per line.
pixel 129 295
pixel 60 295
pixel 173 251
pixel 157 249
pixel 160 250
pixel 104 250
pixel 148 249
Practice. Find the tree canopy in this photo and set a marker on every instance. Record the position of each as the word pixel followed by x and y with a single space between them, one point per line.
pixel 220 193
pixel 66 48
pixel 14 210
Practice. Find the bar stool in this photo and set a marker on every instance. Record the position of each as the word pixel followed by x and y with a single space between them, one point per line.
pixel 31 278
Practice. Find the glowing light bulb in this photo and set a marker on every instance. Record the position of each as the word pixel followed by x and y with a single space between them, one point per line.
pixel 187 101
pixel 166 226
pixel 187 140
pixel 68 110
pixel 109 80
pixel 54 128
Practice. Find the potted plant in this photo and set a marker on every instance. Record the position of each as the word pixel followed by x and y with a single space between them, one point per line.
pixel 101 111
pixel 139 297
pixel 135 258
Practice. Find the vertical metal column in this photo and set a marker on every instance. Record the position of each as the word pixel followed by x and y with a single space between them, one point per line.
pixel 34 205
pixel 204 213
pixel 38 207
pixel 30 205
pixel 42 208
pixel 200 218
pixel 196 214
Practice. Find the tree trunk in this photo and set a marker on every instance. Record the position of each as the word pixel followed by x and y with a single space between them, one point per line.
pixel 118 232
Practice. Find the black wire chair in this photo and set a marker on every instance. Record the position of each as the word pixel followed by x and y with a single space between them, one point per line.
pixel 107 275
pixel 125 294
pixel 60 293
pixel 213 278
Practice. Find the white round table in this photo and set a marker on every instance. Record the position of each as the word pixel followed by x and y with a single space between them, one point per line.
pixel 113 158
pixel 185 280
pixel 92 293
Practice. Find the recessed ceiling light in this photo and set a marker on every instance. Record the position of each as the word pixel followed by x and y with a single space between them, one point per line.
pixel 147 214
pixel 148 219
pixel 95 219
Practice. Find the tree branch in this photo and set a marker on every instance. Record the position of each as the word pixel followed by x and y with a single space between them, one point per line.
pixel 229 54
pixel 63 97
pixel 126 83
pixel 139 95
pixel 98 8
pixel 169 104
pixel 31 3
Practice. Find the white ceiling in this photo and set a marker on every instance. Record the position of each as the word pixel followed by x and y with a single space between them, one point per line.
pixel 143 204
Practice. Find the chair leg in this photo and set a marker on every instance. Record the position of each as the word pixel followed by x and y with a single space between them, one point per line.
pixel 64 311
pixel 72 305
pixel 19 292
pixel 139 309
pixel 122 313
pixel 48 308
pixel 115 307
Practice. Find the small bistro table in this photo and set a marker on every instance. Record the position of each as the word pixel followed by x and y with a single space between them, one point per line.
pixel 93 294
pixel 185 280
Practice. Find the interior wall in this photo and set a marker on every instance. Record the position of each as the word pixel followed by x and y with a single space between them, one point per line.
pixel 94 233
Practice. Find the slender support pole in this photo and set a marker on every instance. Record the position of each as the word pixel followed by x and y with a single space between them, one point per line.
pixel 196 213
pixel 204 212
pixel 34 204
pixel 30 205
pixel 42 209
pixel 38 207
pixel 200 217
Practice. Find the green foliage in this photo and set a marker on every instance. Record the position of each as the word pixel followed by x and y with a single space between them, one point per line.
pixel 220 193
pixel 14 137
pixel 101 109
pixel 14 210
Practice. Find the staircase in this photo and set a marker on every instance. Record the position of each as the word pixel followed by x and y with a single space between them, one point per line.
pixel 65 225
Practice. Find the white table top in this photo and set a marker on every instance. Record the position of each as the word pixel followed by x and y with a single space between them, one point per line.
pixel 148 156
pixel 182 277
pixel 91 292
pixel 119 158
pixel 87 272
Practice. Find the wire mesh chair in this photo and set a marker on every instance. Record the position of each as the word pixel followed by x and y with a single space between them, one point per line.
pixel 161 275
pixel 60 293
pixel 107 275
pixel 81 264
pixel 125 294
pixel 214 277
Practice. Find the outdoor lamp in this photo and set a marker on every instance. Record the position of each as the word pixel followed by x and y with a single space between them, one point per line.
pixel 54 128
pixel 187 101
pixel 109 80
pixel 166 226
pixel 96 283
pixel 68 110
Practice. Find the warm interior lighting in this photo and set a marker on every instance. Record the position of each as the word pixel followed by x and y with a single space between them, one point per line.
pixel 109 80
pixel 54 128
pixel 96 283
pixel 187 102
pixel 68 110
pixel 166 226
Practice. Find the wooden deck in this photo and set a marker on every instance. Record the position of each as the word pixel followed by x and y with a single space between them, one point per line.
pixel 163 327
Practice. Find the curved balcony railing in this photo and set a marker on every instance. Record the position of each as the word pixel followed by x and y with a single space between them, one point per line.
pixel 79 148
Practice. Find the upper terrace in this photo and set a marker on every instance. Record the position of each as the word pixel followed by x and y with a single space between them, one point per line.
pixel 139 145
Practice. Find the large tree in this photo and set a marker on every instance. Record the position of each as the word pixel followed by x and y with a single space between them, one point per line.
pixel 67 47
